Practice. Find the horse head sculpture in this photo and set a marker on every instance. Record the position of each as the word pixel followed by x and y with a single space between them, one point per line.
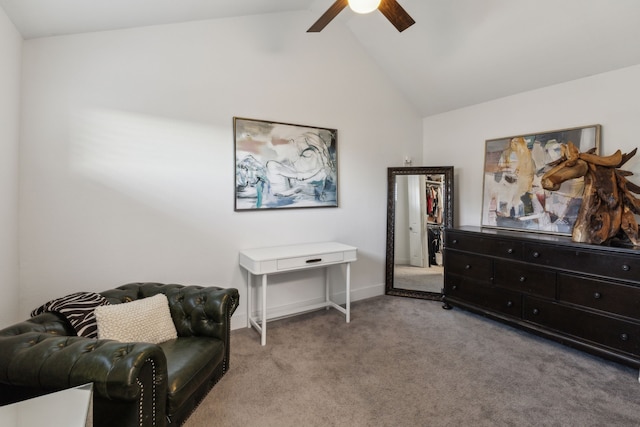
pixel 608 206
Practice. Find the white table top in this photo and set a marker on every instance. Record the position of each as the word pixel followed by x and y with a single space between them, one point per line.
pixel 66 408
pixel 305 249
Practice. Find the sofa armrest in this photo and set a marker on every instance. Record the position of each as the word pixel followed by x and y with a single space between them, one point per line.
pixel 42 361
pixel 51 323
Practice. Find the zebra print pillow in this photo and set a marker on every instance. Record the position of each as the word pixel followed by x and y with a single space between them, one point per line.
pixel 78 308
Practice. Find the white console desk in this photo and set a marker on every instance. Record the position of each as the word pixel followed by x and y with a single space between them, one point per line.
pixel 282 259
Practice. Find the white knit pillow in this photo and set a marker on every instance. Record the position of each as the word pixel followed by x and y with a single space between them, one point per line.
pixel 143 320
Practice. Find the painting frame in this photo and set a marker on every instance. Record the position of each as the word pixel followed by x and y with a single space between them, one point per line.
pixel 512 196
pixel 282 165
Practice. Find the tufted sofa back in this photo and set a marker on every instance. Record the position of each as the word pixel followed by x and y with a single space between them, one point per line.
pixel 190 306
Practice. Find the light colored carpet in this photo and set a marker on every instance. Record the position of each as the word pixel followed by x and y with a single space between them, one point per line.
pixel 407 362
pixel 430 279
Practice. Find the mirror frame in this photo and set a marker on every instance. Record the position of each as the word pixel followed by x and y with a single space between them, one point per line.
pixel 447 221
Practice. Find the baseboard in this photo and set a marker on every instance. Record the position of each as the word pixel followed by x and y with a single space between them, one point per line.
pixel 239 319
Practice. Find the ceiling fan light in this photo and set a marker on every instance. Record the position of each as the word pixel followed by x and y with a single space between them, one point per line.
pixel 364 6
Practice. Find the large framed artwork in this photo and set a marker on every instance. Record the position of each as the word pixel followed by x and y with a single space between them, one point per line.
pixel 283 166
pixel 513 197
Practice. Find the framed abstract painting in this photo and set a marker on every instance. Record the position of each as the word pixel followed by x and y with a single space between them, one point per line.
pixel 513 197
pixel 284 166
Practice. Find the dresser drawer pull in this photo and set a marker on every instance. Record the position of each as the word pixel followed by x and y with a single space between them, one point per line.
pixel 624 337
pixel 522 279
pixel 509 303
pixel 597 295
pixel 454 241
pixel 510 250
pixel 536 254
pixel 467 267
pixel 625 267
pixel 536 311
pixel 311 261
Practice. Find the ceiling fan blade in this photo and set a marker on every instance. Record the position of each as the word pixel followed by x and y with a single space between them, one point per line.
pixel 396 14
pixel 328 16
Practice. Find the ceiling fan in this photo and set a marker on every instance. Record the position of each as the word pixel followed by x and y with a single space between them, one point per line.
pixel 389 8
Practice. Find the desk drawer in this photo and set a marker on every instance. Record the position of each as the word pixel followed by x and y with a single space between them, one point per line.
pixel 308 261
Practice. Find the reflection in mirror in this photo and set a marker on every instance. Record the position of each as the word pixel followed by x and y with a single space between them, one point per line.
pixel 419 207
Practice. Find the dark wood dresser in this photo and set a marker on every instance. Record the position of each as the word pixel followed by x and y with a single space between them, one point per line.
pixel 581 295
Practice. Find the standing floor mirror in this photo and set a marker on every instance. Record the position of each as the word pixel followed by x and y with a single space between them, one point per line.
pixel 419 208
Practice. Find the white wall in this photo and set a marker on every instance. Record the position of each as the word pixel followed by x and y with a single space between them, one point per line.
pixel 127 143
pixel 10 59
pixel 458 137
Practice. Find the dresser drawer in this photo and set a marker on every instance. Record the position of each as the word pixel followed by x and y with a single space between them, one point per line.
pixel 606 296
pixel 504 248
pixel 525 278
pixel 599 329
pixel 483 296
pixel 462 241
pixel 619 266
pixel 474 266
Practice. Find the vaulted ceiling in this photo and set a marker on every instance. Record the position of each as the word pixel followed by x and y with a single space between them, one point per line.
pixel 459 52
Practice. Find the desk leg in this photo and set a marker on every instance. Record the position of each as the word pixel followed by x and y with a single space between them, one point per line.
pixel 326 286
pixel 263 338
pixel 348 304
pixel 249 297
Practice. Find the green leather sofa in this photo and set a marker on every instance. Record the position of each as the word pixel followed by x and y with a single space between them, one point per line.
pixel 134 384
